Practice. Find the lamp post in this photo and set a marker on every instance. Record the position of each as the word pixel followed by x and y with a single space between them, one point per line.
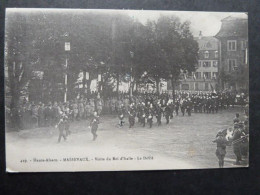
pixel 131 78
pixel 67 49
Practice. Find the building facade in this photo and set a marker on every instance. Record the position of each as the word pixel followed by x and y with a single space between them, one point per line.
pixel 233 53
pixel 206 76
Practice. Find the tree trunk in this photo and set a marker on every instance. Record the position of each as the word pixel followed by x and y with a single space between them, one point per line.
pixel 84 82
pixel 117 85
pixel 133 84
pixel 137 86
pixel 15 96
pixel 157 80
pixel 88 87
pixel 173 82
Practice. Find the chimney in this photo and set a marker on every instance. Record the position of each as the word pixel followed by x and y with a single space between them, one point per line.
pixel 200 35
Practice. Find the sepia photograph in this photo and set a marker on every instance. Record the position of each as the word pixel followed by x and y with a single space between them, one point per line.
pixel 116 90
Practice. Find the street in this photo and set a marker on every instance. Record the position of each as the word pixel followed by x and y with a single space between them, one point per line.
pixel 185 143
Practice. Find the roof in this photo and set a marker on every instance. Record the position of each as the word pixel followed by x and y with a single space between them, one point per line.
pixel 233 27
pixel 207 43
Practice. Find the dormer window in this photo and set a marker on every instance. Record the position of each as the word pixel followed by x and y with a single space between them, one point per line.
pixel 206 54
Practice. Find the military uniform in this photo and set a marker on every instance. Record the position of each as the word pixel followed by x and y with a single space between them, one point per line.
pixel 237 145
pixel 167 113
pixel 131 116
pixel 121 116
pixel 221 148
pixel 94 126
pixel 61 126
pixel 150 118
pixel 159 112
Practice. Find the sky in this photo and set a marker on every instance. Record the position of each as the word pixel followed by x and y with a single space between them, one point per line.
pixel 207 22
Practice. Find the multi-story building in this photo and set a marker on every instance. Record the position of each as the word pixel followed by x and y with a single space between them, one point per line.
pixel 233 53
pixel 206 75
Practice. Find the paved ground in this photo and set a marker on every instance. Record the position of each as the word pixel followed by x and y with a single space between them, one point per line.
pixel 185 143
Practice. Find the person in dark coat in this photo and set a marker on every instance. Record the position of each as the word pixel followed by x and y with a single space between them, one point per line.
pixel 167 113
pixel 221 148
pixel 94 125
pixel 131 116
pixel 159 112
pixel 189 107
pixel 61 126
pixel 150 118
pixel 236 143
pixel 121 115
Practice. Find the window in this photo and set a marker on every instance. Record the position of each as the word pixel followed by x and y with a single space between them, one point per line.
pixel 215 63
pixel 196 86
pixel 232 45
pixel 199 63
pixel 206 64
pixel 214 75
pixel 231 64
pixel 206 86
pixel 206 54
pixel 185 87
pixel 216 54
pixel 207 75
pixel 198 75
pixel 243 44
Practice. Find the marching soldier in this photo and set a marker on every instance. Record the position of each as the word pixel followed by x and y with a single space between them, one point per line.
pixel 150 117
pixel 131 113
pixel 167 113
pixel 236 143
pixel 159 112
pixel 221 148
pixel 94 125
pixel 189 106
pixel 61 126
pixel 143 115
pixel 182 104
pixel 121 115
pixel 67 120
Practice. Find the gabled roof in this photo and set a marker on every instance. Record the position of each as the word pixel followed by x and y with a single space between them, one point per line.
pixel 233 27
pixel 207 43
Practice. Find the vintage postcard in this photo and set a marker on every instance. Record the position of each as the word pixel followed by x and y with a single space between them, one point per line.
pixel 114 90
